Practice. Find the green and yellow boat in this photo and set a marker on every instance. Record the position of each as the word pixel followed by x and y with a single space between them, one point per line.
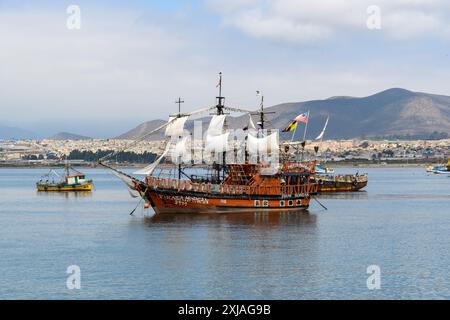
pixel 73 180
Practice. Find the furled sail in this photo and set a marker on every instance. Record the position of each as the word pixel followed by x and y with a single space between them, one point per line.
pixel 320 136
pixel 175 127
pixel 216 125
pixel 265 145
pixel 150 168
pixel 218 143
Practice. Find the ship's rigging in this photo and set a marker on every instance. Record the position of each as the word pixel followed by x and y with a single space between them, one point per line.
pixel 259 181
pixel 216 137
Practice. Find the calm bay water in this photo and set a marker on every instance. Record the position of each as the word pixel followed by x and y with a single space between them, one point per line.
pixel 400 223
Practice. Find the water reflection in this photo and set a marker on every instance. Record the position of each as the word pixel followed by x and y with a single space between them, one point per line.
pixel 357 195
pixel 66 195
pixel 422 196
pixel 257 218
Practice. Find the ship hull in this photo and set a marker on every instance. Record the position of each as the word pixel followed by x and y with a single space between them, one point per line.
pixel 241 191
pixel 341 183
pixel 62 187
pixel 341 187
pixel 168 201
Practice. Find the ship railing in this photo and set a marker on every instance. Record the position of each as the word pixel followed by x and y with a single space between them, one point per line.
pixel 294 190
pixel 300 166
pixel 187 185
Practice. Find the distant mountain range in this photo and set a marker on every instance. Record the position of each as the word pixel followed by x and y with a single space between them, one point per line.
pixel 7 132
pixel 144 128
pixel 394 112
pixel 391 113
pixel 68 136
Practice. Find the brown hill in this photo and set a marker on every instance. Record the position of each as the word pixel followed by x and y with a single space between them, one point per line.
pixel 144 128
pixel 394 112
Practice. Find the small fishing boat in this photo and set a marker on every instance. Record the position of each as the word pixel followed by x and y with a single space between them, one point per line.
pixel 341 182
pixel 440 169
pixel 330 182
pixel 72 180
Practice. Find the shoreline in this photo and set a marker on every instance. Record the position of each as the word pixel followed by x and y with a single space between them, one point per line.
pixel 355 164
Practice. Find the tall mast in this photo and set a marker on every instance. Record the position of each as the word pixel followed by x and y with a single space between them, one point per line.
pixel 179 102
pixel 220 105
pixel 261 112
pixel 67 168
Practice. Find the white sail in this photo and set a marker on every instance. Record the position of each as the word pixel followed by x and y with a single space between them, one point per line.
pixel 175 127
pixel 264 145
pixel 181 152
pixel 216 125
pixel 217 143
pixel 320 136
pixel 150 168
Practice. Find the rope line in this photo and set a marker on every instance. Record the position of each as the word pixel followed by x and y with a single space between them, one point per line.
pixel 139 139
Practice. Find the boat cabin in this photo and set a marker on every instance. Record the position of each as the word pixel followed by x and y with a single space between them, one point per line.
pixel 76 179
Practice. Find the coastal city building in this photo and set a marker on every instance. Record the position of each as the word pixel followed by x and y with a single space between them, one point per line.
pixel 51 151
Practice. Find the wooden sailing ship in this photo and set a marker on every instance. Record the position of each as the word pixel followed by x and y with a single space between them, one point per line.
pixel 244 187
pixel 227 186
pixel 72 180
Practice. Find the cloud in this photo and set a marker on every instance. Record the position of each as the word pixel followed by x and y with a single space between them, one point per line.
pixel 305 21
pixel 255 24
pixel 229 6
pixel 129 64
pixel 114 66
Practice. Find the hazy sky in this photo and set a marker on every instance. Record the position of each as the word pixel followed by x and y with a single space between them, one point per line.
pixel 131 59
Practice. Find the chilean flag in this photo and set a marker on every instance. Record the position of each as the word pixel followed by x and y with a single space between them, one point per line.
pixel 302 118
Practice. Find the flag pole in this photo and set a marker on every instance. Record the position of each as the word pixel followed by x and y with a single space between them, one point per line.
pixel 306 127
pixel 295 130
pixel 304 135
